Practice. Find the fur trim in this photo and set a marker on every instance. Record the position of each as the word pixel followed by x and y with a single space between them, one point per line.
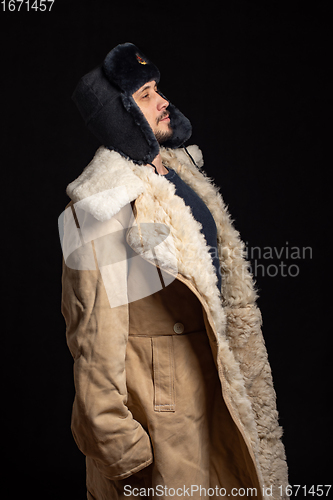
pixel 237 282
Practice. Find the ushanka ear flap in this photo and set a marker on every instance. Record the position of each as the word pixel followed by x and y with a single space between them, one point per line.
pixel 133 110
pixel 103 111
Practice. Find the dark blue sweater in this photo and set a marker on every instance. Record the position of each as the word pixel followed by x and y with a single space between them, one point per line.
pixel 201 213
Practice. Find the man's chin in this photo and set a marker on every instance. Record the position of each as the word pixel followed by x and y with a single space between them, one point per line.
pixel 163 135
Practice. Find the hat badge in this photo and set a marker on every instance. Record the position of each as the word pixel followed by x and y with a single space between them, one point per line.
pixel 140 59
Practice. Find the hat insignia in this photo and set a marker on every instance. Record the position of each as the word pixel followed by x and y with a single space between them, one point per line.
pixel 140 59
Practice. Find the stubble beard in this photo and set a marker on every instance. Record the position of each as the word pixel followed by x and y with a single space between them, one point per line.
pixel 163 135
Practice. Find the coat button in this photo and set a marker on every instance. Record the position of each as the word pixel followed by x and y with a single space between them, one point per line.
pixel 178 327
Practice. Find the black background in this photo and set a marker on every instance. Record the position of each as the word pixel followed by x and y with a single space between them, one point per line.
pixel 252 78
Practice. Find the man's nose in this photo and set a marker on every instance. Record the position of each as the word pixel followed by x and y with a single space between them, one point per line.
pixel 162 103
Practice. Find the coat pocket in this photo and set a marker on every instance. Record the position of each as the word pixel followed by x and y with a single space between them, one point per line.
pixel 164 374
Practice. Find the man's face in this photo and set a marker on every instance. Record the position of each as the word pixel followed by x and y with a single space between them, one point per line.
pixel 154 108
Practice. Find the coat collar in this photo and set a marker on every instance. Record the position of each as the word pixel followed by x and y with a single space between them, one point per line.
pixel 110 181
pixel 106 185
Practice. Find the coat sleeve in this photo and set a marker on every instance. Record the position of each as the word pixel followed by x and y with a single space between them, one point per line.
pixel 96 314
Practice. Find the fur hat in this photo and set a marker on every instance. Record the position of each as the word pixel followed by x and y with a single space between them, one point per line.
pixel 104 98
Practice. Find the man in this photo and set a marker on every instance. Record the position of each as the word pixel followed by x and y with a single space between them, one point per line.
pixel 174 395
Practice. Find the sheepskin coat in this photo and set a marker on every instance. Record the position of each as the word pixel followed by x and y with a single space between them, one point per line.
pixel 117 418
